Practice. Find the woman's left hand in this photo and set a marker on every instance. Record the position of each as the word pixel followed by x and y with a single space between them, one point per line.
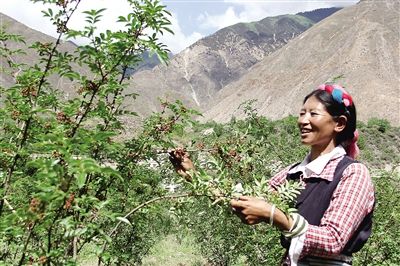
pixel 251 210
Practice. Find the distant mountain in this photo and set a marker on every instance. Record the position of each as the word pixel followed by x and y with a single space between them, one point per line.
pixel 196 74
pixel 319 14
pixel 32 36
pixel 149 62
pixel 360 42
pixel 31 57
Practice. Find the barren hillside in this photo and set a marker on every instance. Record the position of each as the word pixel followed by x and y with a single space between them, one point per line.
pixel 196 74
pixel 31 57
pixel 360 42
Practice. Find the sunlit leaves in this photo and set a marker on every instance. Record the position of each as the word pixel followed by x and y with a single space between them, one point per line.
pixel 67 179
pixel 93 16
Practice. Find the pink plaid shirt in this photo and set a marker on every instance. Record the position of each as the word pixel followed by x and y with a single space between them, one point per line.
pixel 352 200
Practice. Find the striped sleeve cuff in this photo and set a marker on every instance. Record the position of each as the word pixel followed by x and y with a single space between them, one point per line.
pixel 299 226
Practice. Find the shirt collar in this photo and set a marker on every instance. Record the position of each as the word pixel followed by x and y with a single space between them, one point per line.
pixel 316 166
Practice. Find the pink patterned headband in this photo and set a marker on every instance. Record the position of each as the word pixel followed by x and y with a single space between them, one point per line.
pixel 338 93
pixel 340 96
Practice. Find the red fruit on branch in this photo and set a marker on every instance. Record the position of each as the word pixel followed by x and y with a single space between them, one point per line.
pixel 69 201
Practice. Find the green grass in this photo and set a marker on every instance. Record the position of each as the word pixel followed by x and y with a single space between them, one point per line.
pixel 169 251
pixel 172 251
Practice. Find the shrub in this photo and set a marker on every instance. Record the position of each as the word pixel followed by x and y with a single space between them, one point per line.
pixel 381 125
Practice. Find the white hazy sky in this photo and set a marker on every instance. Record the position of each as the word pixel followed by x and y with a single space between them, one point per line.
pixel 191 19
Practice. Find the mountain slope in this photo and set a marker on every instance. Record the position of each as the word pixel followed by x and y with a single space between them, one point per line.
pixel 319 14
pixel 200 71
pixel 196 74
pixel 30 57
pixel 360 42
pixel 31 36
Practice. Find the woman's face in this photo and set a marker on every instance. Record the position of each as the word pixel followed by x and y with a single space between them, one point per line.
pixel 317 127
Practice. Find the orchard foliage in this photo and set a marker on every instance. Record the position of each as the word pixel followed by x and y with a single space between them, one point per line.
pixel 66 182
pixel 70 185
pixel 272 145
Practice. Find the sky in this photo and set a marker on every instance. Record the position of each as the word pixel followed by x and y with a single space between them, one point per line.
pixel 191 19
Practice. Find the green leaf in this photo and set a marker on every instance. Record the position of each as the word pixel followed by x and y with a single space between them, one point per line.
pixel 80 180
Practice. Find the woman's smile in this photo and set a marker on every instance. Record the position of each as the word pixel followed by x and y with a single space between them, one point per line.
pixel 317 126
pixel 305 132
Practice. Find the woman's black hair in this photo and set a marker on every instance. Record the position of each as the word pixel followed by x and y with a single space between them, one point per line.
pixel 336 109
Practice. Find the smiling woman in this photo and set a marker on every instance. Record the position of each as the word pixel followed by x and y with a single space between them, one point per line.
pixel 335 209
pixel 316 126
pixel 321 115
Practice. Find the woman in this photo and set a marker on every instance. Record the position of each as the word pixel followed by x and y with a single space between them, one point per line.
pixel 335 209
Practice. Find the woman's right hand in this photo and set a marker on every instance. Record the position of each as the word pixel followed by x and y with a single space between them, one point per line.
pixel 252 210
pixel 180 159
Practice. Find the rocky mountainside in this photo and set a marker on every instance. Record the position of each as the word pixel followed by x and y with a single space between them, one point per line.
pixel 196 74
pixel 31 36
pixel 31 57
pixel 149 62
pixel 360 43
pixel 319 14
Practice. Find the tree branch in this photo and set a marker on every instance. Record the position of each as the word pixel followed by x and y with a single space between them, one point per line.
pixel 28 121
pixel 28 238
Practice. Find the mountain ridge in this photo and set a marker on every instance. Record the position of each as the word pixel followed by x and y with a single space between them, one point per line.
pixel 359 42
pixel 197 73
